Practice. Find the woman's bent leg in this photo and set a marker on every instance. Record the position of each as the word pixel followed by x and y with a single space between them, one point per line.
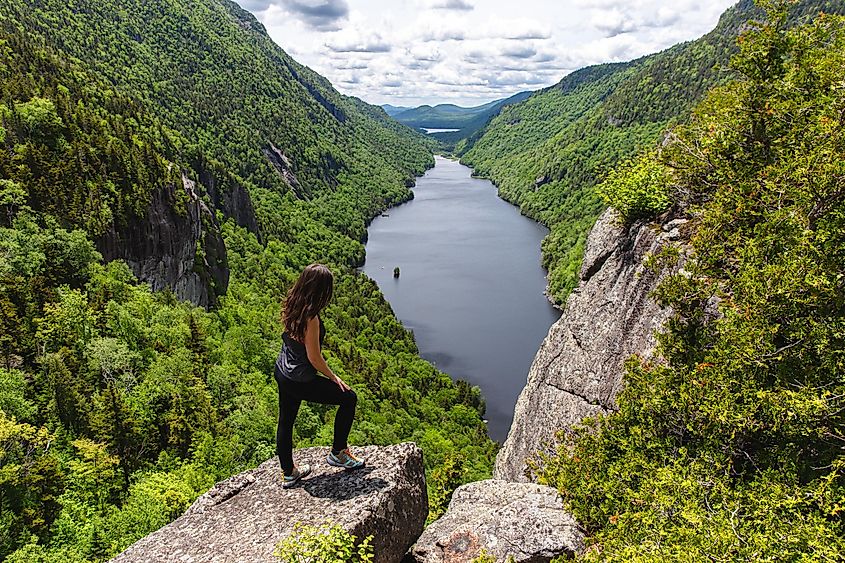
pixel 328 393
pixel 288 408
pixel 343 420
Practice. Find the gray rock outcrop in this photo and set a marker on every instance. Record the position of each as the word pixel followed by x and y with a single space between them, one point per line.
pixel 243 518
pixel 227 194
pixel 161 245
pixel 284 167
pixel 523 521
pixel 577 372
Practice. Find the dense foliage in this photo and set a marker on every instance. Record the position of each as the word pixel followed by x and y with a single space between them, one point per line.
pixel 119 405
pixel 547 154
pixel 730 446
pixel 329 542
pixel 637 188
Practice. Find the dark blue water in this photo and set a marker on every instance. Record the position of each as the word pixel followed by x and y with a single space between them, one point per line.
pixel 471 284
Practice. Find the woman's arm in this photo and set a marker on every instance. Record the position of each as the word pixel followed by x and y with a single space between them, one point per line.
pixel 315 355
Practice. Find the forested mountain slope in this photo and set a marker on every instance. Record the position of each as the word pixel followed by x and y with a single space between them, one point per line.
pixel 728 444
pixel 211 73
pixel 546 154
pixel 393 110
pixel 179 129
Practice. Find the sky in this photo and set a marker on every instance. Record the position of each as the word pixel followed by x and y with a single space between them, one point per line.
pixel 469 52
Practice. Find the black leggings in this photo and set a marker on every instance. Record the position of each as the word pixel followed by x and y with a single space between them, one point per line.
pixel 292 393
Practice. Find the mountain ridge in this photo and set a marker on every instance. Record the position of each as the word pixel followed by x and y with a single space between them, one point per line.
pixel 211 154
pixel 451 116
pixel 548 152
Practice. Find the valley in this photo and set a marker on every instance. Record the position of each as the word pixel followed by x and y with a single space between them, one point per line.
pixel 167 170
pixel 470 285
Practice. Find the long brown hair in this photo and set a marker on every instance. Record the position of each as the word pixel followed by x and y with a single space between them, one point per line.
pixel 308 296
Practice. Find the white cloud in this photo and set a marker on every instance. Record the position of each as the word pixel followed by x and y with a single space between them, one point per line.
pixel 519 51
pixel 409 52
pixel 443 34
pixel 359 41
pixel 320 15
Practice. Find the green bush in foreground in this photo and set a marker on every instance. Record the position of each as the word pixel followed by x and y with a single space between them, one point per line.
pixel 730 448
pixel 326 543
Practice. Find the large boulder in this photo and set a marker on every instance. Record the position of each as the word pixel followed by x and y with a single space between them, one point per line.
pixel 523 521
pixel 610 316
pixel 243 518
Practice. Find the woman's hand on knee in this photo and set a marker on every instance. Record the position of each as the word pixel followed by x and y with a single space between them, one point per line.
pixel 341 383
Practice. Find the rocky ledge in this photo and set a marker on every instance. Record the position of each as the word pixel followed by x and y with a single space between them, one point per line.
pixel 243 518
pixel 520 522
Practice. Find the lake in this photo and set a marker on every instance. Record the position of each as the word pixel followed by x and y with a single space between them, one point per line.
pixel 430 130
pixel 471 283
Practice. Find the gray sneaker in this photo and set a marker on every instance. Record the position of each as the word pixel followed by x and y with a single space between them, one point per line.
pixel 345 459
pixel 298 473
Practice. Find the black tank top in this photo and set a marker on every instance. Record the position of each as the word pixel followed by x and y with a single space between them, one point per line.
pixel 292 361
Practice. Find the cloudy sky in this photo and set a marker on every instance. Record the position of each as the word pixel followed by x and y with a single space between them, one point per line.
pixel 468 52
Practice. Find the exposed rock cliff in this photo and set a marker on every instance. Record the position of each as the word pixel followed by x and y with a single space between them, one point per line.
pixel 243 518
pixel 176 244
pixel 227 194
pixel 576 373
pixel 578 370
pixel 522 521
pixel 284 167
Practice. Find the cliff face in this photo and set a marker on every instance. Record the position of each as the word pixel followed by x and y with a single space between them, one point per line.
pixel 243 518
pixel 578 370
pixel 227 194
pixel 176 244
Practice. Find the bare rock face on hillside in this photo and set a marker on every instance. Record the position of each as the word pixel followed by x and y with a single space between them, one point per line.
pixel 522 522
pixel 609 317
pixel 243 518
pixel 161 245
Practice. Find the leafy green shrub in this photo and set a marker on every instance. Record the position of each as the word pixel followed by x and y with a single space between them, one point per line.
pixel 442 482
pixel 328 542
pixel 483 557
pixel 38 116
pixel 637 188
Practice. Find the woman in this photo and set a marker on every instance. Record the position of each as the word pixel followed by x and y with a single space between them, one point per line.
pixel 297 370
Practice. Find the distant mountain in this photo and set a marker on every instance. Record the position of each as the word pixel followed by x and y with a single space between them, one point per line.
pixel 450 116
pixel 394 110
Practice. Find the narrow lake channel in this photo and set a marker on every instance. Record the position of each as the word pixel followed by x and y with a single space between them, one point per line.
pixel 470 285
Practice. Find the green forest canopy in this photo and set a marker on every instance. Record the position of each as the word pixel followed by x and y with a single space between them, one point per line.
pixel 547 154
